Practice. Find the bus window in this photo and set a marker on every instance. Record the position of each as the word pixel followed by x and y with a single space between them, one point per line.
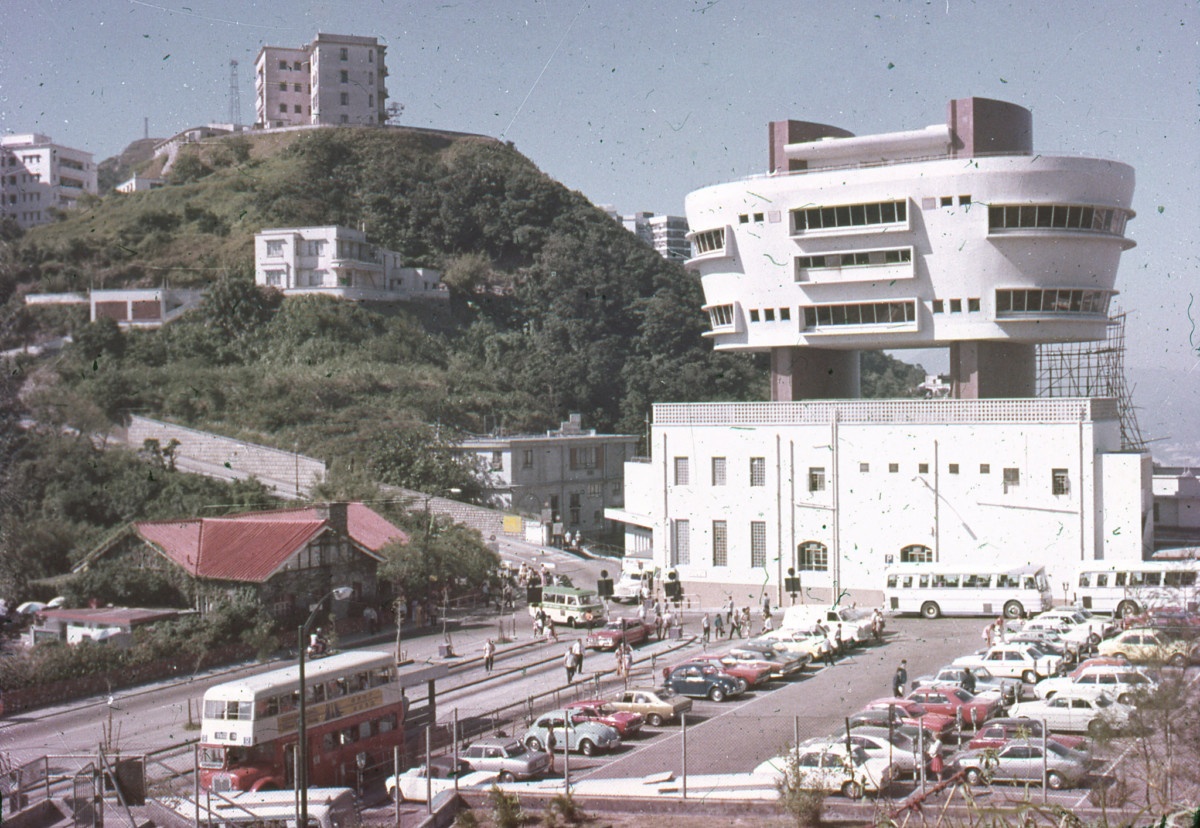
pixel 951 581
pixel 317 692
pixel 271 708
pixel 1004 581
pixel 382 676
pixel 1101 579
pixel 1030 582
pixel 361 682
pixel 939 581
pixel 340 687
pixel 1152 578
pixel 907 582
pixel 349 735
pixel 891 581
pixel 1120 579
pixel 1135 579
pixel 924 580
pixel 212 757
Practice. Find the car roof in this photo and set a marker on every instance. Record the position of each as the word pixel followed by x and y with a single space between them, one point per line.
pixel 496 741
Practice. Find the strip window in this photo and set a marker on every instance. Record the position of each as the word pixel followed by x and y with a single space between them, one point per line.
pixel 1052 300
pixel 721 316
pixel 866 313
pixel 709 241
pixel 849 215
pixel 1057 216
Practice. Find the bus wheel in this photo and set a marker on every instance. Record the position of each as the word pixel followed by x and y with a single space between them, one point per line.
pixel 1013 609
pixel 1126 609
pixel 931 610
pixel 571 621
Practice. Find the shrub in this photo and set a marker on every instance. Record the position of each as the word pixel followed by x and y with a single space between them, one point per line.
pixel 506 809
pixel 799 799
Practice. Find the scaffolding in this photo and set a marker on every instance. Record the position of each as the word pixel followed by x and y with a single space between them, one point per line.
pixel 1092 369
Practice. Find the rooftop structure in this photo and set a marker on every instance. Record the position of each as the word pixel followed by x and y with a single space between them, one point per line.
pixel 955 235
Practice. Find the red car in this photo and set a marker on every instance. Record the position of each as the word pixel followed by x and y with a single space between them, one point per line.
pixel 957 703
pixel 907 711
pixel 609 637
pixel 624 722
pixel 999 731
pixel 753 673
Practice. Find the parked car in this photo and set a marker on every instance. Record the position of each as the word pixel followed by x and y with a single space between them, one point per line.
pixel 1022 661
pixel 630 631
pixel 1146 644
pixel 801 643
pixel 1022 761
pixel 414 784
pixel 625 722
pixel 633 585
pixel 856 622
pixel 1123 683
pixel 1001 731
pixel 1068 711
pixel 703 681
pixel 753 673
pixel 584 737
pixel 899 749
pixel 783 665
pixel 658 705
pixel 506 757
pixel 906 711
pixel 1006 689
pixel 957 703
pixel 831 767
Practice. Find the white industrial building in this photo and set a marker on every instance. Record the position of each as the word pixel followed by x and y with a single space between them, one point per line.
pixel 957 235
pixel 38 176
pixel 335 79
pixel 339 262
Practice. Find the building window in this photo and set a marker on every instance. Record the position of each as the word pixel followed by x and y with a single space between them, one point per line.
pixel 283 65
pixel 954 468
pixel 283 87
pixel 816 479
pixel 813 557
pixel 680 542
pixel 956 306
pixel 527 459
pixel 1012 478
pixel 681 471
pixel 768 314
pixel 1057 217
pixel 345 98
pixel 754 315
pixel 850 215
pixel 345 76
pixel 859 313
pixel 985 468
pixel 720 316
pixel 864 467
pixel 916 553
pixel 595 490
pixel 275 247
pixel 584 457
pixel 1060 484
pixel 283 108
pixel 922 468
pixel 758 471
pixel 709 241
pixel 344 53
pixel 785 314
pixel 1051 300
pixel 758 543
pixel 497 461
pixel 718 471
pixel 720 532
pixel 938 307
pixel 973 305
pixel 296 108
pixel 893 468
pixel 857 258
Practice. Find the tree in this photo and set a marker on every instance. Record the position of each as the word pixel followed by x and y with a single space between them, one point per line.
pixel 418 457
pixel 441 558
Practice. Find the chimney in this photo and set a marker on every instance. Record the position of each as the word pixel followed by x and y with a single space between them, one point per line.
pixel 336 515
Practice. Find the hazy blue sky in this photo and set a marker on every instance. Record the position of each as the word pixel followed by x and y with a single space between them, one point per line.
pixel 636 103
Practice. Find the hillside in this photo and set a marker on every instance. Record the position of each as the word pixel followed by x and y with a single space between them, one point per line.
pixel 556 308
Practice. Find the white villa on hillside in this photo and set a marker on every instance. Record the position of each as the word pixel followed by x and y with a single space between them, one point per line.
pixel 339 262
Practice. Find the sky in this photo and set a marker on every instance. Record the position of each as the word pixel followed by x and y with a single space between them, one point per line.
pixel 637 103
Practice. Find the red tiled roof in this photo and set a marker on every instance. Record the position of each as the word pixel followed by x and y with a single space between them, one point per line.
pixel 252 546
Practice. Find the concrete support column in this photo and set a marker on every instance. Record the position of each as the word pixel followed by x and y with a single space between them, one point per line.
pixel 814 374
pixel 991 370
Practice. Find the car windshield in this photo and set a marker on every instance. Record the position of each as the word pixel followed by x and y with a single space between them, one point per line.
pixel 1034 652
pixel 1103 701
pixel 1057 749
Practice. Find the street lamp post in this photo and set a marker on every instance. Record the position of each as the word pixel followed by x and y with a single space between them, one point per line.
pixel 340 594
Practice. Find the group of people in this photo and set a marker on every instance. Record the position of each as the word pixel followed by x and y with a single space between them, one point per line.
pixel 543 625
pixel 573 659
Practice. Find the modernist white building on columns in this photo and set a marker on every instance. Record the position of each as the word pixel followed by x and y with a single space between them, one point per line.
pixel 956 235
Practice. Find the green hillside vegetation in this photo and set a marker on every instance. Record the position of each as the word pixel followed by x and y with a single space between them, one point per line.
pixel 555 308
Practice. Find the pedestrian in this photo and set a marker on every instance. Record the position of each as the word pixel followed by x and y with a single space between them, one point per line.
pixel 719 625
pixel 877 625
pixel 837 641
pixel 968 680
pixel 936 765
pixel 489 656
pixel 642 612
pixel 668 622
pixel 825 650
pixel 372 619
pixel 705 629
pixel 900 679
pixel 766 604
pixel 550 631
pixel 766 627
pixel 551 743
pixel 577 648
pixel 658 624
pixel 729 609
pixel 989 633
pixel 569 664
pixel 746 620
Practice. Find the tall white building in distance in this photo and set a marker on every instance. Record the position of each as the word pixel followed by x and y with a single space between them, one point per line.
pixel 668 235
pixel 336 79
pixel 37 175
pixel 956 235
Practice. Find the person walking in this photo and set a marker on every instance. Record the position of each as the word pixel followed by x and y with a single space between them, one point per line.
pixel 838 645
pixel 766 627
pixel 550 631
pixel 489 656
pixel 577 648
pixel 719 625
pixel 569 664
pixel 900 679
pixel 705 629
pixel 551 744
pixel 729 610
pixel 877 625
pixel 658 624
pixel 825 650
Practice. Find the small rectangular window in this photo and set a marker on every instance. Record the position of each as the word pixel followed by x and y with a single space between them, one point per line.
pixel 922 468
pixel 956 306
pixel 344 54
pixel 964 201
pixel 720 540
pixel 985 468
pixel 527 459
pixel 893 468
pixel 718 471
pixel 758 543
pixel 954 468
pixel 937 306
pixel 754 315
pixel 785 314
pixel 758 471
pixel 816 479
pixel 947 201
pixel 345 98
pixel 768 314
pixel 1012 478
pixel 864 467
pixel 1060 484
pixel 973 305
pixel 681 471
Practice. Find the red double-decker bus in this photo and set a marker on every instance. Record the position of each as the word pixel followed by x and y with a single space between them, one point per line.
pixel 354 707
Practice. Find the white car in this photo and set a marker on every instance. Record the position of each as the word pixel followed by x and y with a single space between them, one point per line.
pixel 830 767
pixel 856 623
pixel 1023 661
pixel 794 641
pixel 1124 684
pixel 1071 712
pixel 414 785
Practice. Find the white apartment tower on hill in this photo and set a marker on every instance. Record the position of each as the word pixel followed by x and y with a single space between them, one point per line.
pixel 336 79
pixel 957 235
pixel 38 176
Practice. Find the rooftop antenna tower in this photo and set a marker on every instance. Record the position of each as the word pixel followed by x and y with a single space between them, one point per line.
pixel 235 101
pixel 1092 369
